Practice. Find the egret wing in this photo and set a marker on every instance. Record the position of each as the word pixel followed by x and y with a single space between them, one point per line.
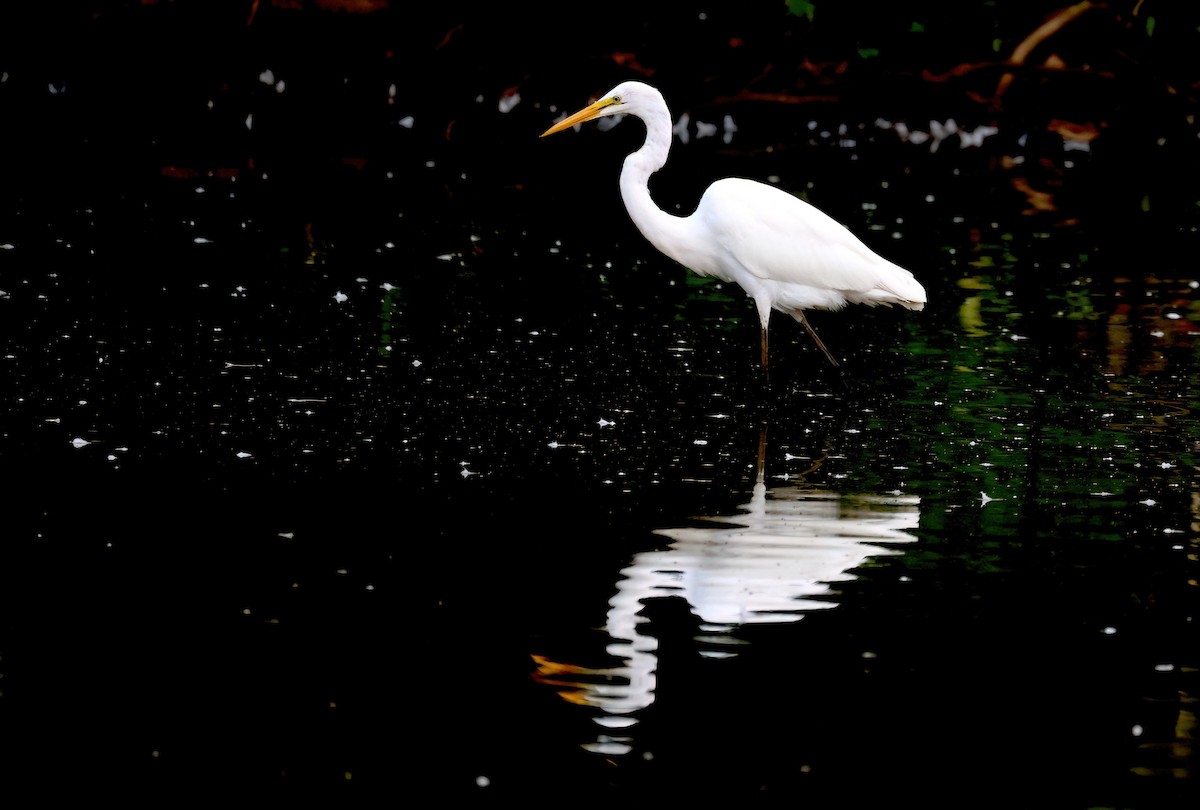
pixel 779 237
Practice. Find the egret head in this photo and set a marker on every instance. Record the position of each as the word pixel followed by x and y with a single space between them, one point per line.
pixel 627 98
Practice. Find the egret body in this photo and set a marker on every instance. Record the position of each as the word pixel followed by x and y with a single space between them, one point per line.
pixel 784 253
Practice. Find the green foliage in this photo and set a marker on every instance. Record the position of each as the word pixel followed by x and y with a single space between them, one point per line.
pixel 801 8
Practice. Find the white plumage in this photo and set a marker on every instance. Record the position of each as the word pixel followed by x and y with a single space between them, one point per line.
pixel 786 254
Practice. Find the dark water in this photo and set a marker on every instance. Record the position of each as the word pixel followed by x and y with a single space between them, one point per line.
pixel 418 471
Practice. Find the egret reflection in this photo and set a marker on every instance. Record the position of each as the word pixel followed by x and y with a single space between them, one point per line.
pixel 774 561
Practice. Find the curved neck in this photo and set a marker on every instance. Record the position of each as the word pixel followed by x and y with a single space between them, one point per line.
pixel 663 230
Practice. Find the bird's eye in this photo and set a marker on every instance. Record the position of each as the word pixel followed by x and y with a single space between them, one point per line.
pixel 616 99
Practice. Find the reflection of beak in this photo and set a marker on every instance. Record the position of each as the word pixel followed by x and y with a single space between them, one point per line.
pixel 586 114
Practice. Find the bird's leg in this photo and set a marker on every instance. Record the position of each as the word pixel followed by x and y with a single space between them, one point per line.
pixel 799 314
pixel 762 380
pixel 760 469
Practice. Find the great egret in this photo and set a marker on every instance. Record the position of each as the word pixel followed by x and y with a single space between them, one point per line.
pixel 786 254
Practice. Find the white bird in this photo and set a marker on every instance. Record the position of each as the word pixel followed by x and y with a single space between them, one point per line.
pixel 786 254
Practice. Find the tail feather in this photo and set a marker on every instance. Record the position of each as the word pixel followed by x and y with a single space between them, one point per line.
pixel 880 297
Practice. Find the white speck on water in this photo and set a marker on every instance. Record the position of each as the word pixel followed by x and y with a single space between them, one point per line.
pixel 1148 502
pixel 1164 667
pixel 700 442
pixel 77 443
pixel 267 76
pixel 416 363
pixel 681 128
pixel 1137 730
pixel 202 240
pixel 609 746
pixel 250 124
pixel 604 422
pixel 287 535
pixel 340 297
pixel 243 454
pixel 509 101
pixel 1110 630
pixel 482 781
pixel 406 122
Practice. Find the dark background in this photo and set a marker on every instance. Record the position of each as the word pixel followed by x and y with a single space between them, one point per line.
pixel 134 82
pixel 115 113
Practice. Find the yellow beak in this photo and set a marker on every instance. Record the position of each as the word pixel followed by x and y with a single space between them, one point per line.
pixel 586 114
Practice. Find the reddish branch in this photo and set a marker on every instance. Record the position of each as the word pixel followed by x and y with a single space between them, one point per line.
pixel 1039 35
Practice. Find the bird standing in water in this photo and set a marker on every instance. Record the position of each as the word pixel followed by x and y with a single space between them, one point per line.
pixel 786 254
